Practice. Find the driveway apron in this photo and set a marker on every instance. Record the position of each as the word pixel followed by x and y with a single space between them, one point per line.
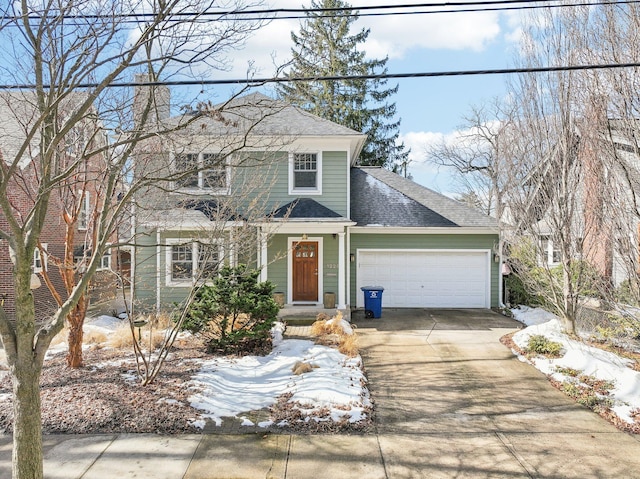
pixel 451 401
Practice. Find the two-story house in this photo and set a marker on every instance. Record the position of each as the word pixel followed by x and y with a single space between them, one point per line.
pixel 78 199
pixel 279 189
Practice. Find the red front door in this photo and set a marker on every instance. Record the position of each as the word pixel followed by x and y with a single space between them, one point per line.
pixel 305 271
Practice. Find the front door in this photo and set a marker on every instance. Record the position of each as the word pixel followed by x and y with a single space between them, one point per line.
pixel 305 271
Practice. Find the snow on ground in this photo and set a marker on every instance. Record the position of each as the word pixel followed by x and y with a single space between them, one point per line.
pixel 229 387
pixel 582 357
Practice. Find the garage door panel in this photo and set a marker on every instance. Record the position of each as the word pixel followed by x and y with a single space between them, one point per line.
pixel 426 278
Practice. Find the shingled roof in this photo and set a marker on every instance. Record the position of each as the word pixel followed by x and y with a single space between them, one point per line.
pixel 382 198
pixel 305 208
pixel 265 116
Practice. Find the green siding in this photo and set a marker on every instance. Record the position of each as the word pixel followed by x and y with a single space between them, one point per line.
pixel 335 176
pixel 266 176
pixel 277 263
pixel 145 271
pixel 148 272
pixel 417 241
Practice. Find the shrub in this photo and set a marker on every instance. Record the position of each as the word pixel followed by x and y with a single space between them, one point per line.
pixel 518 293
pixel 348 345
pixel 235 313
pixel 539 344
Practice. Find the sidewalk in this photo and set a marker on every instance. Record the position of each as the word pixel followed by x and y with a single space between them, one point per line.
pixel 143 456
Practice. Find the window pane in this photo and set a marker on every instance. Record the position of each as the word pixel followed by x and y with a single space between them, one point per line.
pixel 187 162
pixel 181 262
pixel 37 261
pixel 544 249
pixel 214 174
pixel 304 180
pixel 208 260
pixel 305 161
pixel 305 170
pixel 83 214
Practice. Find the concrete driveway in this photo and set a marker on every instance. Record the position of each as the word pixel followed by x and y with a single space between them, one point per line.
pixel 454 402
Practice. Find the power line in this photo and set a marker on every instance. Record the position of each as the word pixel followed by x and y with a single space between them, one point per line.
pixel 300 13
pixel 382 76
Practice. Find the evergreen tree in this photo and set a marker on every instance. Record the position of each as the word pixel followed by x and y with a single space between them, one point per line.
pixel 325 47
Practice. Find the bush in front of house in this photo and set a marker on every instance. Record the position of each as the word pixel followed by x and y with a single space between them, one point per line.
pixel 235 313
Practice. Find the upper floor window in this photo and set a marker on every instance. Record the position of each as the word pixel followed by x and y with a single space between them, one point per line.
pixel 83 213
pixel 204 171
pixel 305 173
pixel 75 142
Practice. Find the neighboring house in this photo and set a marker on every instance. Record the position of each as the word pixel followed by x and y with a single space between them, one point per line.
pixel 322 226
pixel 608 238
pixel 17 117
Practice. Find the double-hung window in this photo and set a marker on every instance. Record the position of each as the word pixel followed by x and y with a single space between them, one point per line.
pixel 202 171
pixel 305 173
pixel 193 260
pixel 550 251
pixel 84 212
pixel 105 260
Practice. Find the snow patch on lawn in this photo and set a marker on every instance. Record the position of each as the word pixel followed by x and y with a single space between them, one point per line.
pixel 589 360
pixel 227 387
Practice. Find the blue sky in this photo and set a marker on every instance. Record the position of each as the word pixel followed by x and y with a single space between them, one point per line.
pixel 430 108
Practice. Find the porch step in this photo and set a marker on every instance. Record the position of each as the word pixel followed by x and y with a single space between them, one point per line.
pixel 306 315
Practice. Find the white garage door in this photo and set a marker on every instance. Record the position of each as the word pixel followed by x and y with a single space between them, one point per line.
pixel 426 279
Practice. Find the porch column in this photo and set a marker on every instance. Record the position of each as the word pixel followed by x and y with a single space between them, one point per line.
pixel 262 236
pixel 341 272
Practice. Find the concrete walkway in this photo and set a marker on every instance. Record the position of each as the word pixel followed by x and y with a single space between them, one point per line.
pixel 452 402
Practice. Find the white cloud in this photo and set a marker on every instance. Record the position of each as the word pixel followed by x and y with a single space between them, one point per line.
pixel 394 36
pixel 423 172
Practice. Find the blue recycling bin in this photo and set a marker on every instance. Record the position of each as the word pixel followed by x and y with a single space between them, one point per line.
pixel 372 301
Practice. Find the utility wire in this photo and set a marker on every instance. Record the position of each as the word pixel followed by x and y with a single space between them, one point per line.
pixel 381 76
pixel 301 13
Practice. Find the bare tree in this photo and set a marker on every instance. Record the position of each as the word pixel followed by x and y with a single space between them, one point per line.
pixel 481 154
pixel 57 50
pixel 562 230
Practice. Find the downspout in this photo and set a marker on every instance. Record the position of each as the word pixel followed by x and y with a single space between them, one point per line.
pixel 133 250
pixel 158 251
pixel 348 266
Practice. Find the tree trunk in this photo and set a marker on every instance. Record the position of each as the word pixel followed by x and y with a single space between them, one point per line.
pixel 27 432
pixel 75 320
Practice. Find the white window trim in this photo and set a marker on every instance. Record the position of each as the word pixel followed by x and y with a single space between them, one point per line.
pixel 170 242
pixel 43 260
pixel 549 251
pixel 107 255
pixel 306 191
pixel 86 207
pixel 200 188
